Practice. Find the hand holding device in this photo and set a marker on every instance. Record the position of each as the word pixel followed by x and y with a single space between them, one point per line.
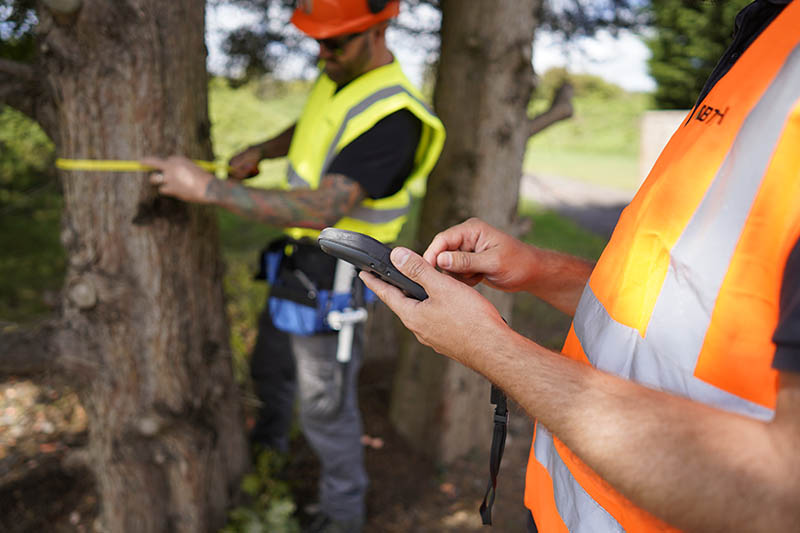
pixel 369 255
pixel 474 251
pixel 373 256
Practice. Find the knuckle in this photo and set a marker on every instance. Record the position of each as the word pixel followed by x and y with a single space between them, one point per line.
pixel 461 261
pixel 414 267
pixel 493 262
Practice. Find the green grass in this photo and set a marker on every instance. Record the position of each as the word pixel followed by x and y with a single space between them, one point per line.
pixel 553 231
pixel 250 114
pixel 32 262
pixel 241 117
pixel 599 144
pixel 532 317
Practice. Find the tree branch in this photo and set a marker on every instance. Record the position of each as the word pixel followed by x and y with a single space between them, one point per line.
pixel 27 352
pixel 39 352
pixel 22 71
pixel 22 89
pixel 18 86
pixel 560 109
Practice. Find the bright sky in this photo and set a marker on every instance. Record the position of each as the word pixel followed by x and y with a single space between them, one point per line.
pixel 621 60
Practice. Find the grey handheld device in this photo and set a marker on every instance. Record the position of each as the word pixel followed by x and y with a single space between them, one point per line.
pixel 369 255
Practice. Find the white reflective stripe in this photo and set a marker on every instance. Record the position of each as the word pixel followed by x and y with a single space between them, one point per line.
pixel 386 92
pixel 363 213
pixel 377 216
pixel 700 259
pixel 295 180
pixel 579 512
pixel 620 350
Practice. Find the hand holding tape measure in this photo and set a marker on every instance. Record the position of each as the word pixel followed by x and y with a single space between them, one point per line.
pixel 176 176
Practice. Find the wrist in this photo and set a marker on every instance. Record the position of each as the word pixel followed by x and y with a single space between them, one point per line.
pixel 212 191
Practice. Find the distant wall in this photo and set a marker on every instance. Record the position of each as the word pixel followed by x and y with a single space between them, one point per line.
pixel 657 129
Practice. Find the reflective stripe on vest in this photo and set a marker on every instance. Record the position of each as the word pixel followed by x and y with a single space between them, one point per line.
pixel 604 339
pixel 685 297
pixel 580 512
pixel 380 93
pixel 294 179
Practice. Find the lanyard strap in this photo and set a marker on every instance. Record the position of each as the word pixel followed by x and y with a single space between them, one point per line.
pixel 498 398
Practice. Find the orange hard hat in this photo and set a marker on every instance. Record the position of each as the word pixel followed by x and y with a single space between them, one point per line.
pixel 321 19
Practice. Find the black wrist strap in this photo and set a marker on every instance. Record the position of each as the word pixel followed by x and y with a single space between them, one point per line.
pixel 496 455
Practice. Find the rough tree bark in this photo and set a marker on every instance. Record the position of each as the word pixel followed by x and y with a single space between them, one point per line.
pixel 143 331
pixel 484 83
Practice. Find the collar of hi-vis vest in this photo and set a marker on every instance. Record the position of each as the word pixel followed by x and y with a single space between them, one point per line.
pixel 393 72
pixel 684 298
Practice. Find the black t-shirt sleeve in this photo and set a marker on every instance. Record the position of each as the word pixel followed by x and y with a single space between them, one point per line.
pixel 787 334
pixel 381 158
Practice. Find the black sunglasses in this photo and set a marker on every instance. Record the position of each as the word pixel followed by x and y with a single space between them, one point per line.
pixel 337 44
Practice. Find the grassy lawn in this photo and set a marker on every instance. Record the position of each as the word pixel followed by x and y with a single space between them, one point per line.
pixel 532 317
pixel 250 114
pixel 32 263
pixel 599 144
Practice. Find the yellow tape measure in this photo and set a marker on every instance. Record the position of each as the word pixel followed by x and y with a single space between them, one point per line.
pixel 121 165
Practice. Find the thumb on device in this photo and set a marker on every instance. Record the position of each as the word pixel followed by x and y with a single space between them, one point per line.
pixel 411 264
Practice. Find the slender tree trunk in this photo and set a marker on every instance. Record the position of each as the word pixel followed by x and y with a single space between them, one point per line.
pixel 483 87
pixel 143 296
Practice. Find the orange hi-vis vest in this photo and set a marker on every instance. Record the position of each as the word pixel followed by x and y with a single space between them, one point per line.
pixel 685 298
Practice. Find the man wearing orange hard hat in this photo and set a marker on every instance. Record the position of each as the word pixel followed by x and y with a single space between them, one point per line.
pixel 364 143
pixel 336 23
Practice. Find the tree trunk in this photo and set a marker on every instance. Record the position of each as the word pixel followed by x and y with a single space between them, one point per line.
pixel 483 87
pixel 143 294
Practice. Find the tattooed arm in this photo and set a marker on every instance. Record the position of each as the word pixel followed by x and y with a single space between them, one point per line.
pixel 336 196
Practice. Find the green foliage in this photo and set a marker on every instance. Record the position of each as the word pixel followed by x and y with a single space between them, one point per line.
pixel 689 38
pixel 585 85
pixel 241 116
pixel 245 297
pixel 252 113
pixel 32 262
pixel 600 143
pixel 532 317
pixel 22 48
pixel 555 232
pixel 270 506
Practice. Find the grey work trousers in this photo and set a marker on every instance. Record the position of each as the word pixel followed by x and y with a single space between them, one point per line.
pixel 328 407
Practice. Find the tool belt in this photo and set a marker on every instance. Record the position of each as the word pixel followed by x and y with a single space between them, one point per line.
pixel 301 286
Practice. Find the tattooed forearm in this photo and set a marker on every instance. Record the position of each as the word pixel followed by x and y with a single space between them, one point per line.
pixel 337 195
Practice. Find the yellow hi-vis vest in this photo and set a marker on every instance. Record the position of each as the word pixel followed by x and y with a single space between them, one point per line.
pixel 331 120
pixel 685 297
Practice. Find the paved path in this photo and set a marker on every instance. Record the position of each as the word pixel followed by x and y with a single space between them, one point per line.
pixel 593 207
